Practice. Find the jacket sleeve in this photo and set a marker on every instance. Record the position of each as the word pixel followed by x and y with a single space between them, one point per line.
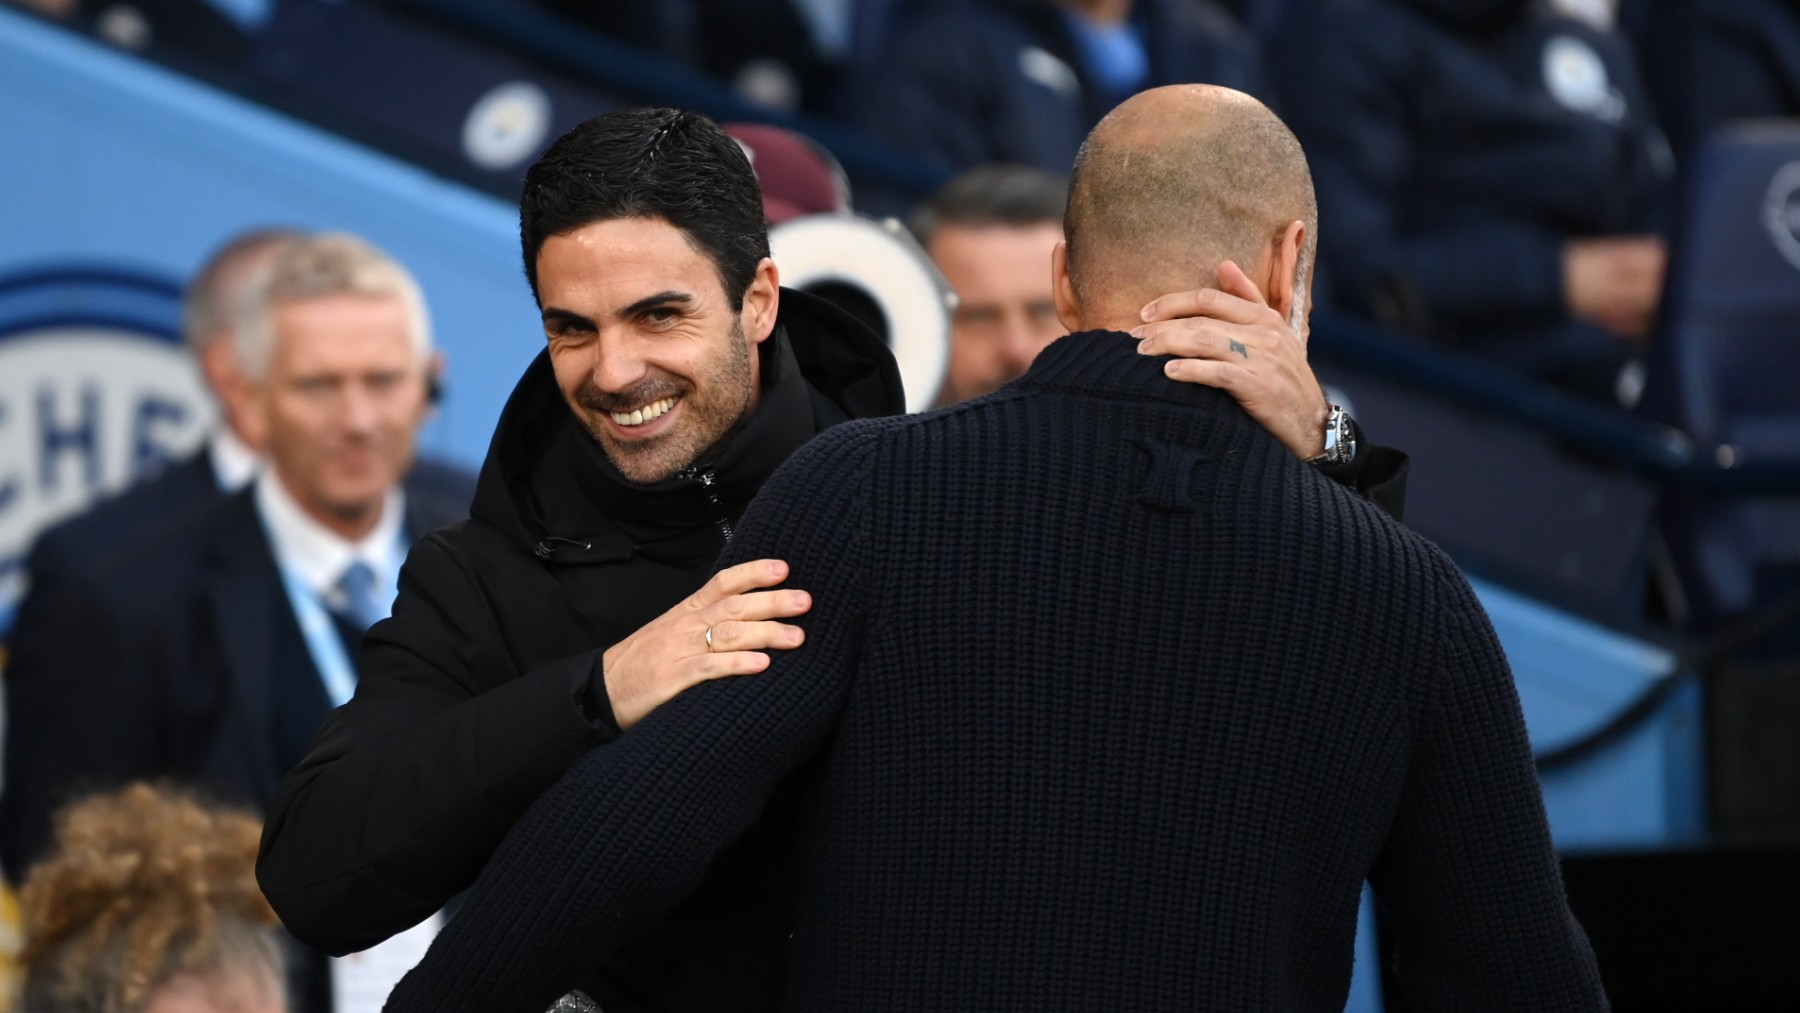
pixel 632 828
pixel 1377 474
pixel 1349 89
pixel 77 705
pixel 409 787
pixel 1468 875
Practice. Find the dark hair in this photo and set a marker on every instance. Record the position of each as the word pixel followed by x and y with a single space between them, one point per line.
pixel 993 194
pixel 650 163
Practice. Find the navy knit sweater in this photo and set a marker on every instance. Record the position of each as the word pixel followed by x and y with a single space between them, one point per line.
pixel 1115 706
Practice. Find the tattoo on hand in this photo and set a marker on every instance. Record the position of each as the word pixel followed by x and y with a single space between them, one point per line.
pixel 1238 347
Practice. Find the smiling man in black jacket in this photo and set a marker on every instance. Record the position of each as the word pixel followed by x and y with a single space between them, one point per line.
pixel 678 377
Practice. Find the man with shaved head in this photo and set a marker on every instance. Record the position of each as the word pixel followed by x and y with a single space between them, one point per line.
pixel 1088 715
pixel 1161 195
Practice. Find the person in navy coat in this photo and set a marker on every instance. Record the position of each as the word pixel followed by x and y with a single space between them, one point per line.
pixel 1721 61
pixel 64 551
pixel 1024 80
pixel 1490 177
pixel 207 650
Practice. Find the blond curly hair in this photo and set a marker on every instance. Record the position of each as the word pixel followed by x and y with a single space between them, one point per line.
pixel 143 885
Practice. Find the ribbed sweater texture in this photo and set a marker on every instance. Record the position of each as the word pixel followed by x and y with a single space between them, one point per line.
pixel 1107 703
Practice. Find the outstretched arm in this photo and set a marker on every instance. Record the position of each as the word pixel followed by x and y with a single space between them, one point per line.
pixel 408 788
pixel 632 827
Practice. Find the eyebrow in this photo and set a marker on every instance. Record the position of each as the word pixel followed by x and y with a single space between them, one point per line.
pixel 553 315
pixel 556 314
pixel 652 301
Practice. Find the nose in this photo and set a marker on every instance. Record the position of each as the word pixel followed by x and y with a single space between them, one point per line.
pixel 357 412
pixel 618 362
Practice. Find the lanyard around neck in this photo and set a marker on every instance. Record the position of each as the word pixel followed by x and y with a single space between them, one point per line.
pixel 336 669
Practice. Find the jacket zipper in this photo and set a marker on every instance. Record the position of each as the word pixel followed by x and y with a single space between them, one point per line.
pixel 707 479
pixel 547 548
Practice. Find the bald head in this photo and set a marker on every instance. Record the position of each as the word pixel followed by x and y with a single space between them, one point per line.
pixel 1174 181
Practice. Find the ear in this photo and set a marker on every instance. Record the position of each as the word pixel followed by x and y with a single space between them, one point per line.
pixel 236 395
pixel 434 382
pixel 1062 287
pixel 247 412
pixel 1277 276
pixel 762 302
pixel 218 363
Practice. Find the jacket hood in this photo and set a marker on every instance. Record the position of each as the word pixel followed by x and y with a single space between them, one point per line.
pixel 550 489
pixel 1472 15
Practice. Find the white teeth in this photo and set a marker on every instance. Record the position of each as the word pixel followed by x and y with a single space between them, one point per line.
pixel 653 410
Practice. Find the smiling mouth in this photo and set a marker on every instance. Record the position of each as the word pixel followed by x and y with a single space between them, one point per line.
pixel 653 410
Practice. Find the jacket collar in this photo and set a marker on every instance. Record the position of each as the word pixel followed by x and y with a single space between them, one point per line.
pixel 1107 362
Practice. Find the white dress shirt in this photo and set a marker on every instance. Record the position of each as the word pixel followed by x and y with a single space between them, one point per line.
pixel 318 556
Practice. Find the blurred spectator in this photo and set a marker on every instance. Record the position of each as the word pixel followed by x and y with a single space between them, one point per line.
pixel 217 32
pixel 225 463
pixel 663 28
pixel 797 176
pixel 210 649
pixel 991 231
pixel 1489 175
pixel 1720 61
pixel 57 10
pixel 148 902
pixel 779 54
pixel 67 554
pixel 1024 80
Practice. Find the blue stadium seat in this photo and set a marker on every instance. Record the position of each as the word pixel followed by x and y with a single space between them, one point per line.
pixel 1725 367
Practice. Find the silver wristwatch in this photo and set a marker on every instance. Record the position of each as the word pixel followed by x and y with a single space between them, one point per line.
pixel 1340 439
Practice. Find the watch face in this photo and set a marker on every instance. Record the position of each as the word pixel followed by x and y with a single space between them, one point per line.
pixel 1340 438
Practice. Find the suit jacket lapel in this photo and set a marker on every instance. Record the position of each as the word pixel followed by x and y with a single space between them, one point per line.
pixel 194 477
pixel 245 592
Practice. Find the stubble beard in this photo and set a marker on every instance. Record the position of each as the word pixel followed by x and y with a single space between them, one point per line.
pixel 713 407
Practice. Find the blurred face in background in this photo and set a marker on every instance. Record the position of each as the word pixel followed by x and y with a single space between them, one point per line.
pixel 1006 313
pixel 339 410
pixel 225 991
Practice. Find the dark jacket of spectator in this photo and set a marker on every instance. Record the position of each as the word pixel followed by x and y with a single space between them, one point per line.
pixel 1457 146
pixel 82 543
pixel 1007 80
pixel 1092 729
pixel 1722 60
pixel 169 658
pixel 485 685
pixel 175 655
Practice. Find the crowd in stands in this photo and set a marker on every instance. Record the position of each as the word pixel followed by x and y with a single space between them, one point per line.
pixel 1496 176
